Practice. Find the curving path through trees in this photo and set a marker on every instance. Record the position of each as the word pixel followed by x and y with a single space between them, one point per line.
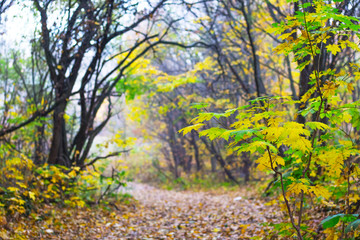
pixel 169 214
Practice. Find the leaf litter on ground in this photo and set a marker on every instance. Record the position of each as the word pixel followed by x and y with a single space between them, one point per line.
pixel 155 214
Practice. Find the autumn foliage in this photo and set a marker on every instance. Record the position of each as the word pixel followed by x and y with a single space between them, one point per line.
pixel 229 94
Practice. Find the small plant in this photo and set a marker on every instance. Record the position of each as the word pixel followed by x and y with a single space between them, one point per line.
pixel 314 162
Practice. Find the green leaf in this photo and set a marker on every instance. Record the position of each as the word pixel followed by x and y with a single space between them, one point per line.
pixel 349 217
pixel 303 65
pixel 317 125
pixel 212 133
pixel 352 226
pixel 256 146
pixel 199 105
pixel 305 5
pixel 331 221
pixel 238 135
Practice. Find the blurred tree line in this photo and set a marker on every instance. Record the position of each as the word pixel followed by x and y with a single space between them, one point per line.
pixel 236 63
pixel 175 56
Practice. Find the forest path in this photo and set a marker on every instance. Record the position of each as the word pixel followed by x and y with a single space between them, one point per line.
pixel 169 214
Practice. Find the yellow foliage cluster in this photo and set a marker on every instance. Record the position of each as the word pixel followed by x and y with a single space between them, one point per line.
pixel 26 187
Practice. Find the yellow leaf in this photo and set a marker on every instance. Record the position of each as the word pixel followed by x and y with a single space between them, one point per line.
pixel 265 164
pixel 188 129
pixel 353 45
pixel 320 191
pixel 32 196
pixel 330 234
pixel 20 184
pixel 13 189
pixel 202 117
pixel 14 114
pixel 350 87
pixel 333 48
pixel 297 187
pixel 72 174
pixel 66 117
pixel 346 117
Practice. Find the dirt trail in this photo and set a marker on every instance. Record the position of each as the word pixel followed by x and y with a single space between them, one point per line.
pixel 164 214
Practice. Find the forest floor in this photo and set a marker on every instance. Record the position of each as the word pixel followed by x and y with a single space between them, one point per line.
pixel 169 214
pixel 155 214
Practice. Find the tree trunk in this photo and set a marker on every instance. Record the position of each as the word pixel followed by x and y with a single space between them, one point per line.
pixel 40 144
pixel 58 150
pixel 245 157
pixel 222 162
pixel 213 164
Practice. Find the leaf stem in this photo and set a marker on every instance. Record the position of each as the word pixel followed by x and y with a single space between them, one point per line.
pixel 297 228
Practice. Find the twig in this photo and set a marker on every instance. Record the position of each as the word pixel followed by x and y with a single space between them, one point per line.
pixel 104 157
